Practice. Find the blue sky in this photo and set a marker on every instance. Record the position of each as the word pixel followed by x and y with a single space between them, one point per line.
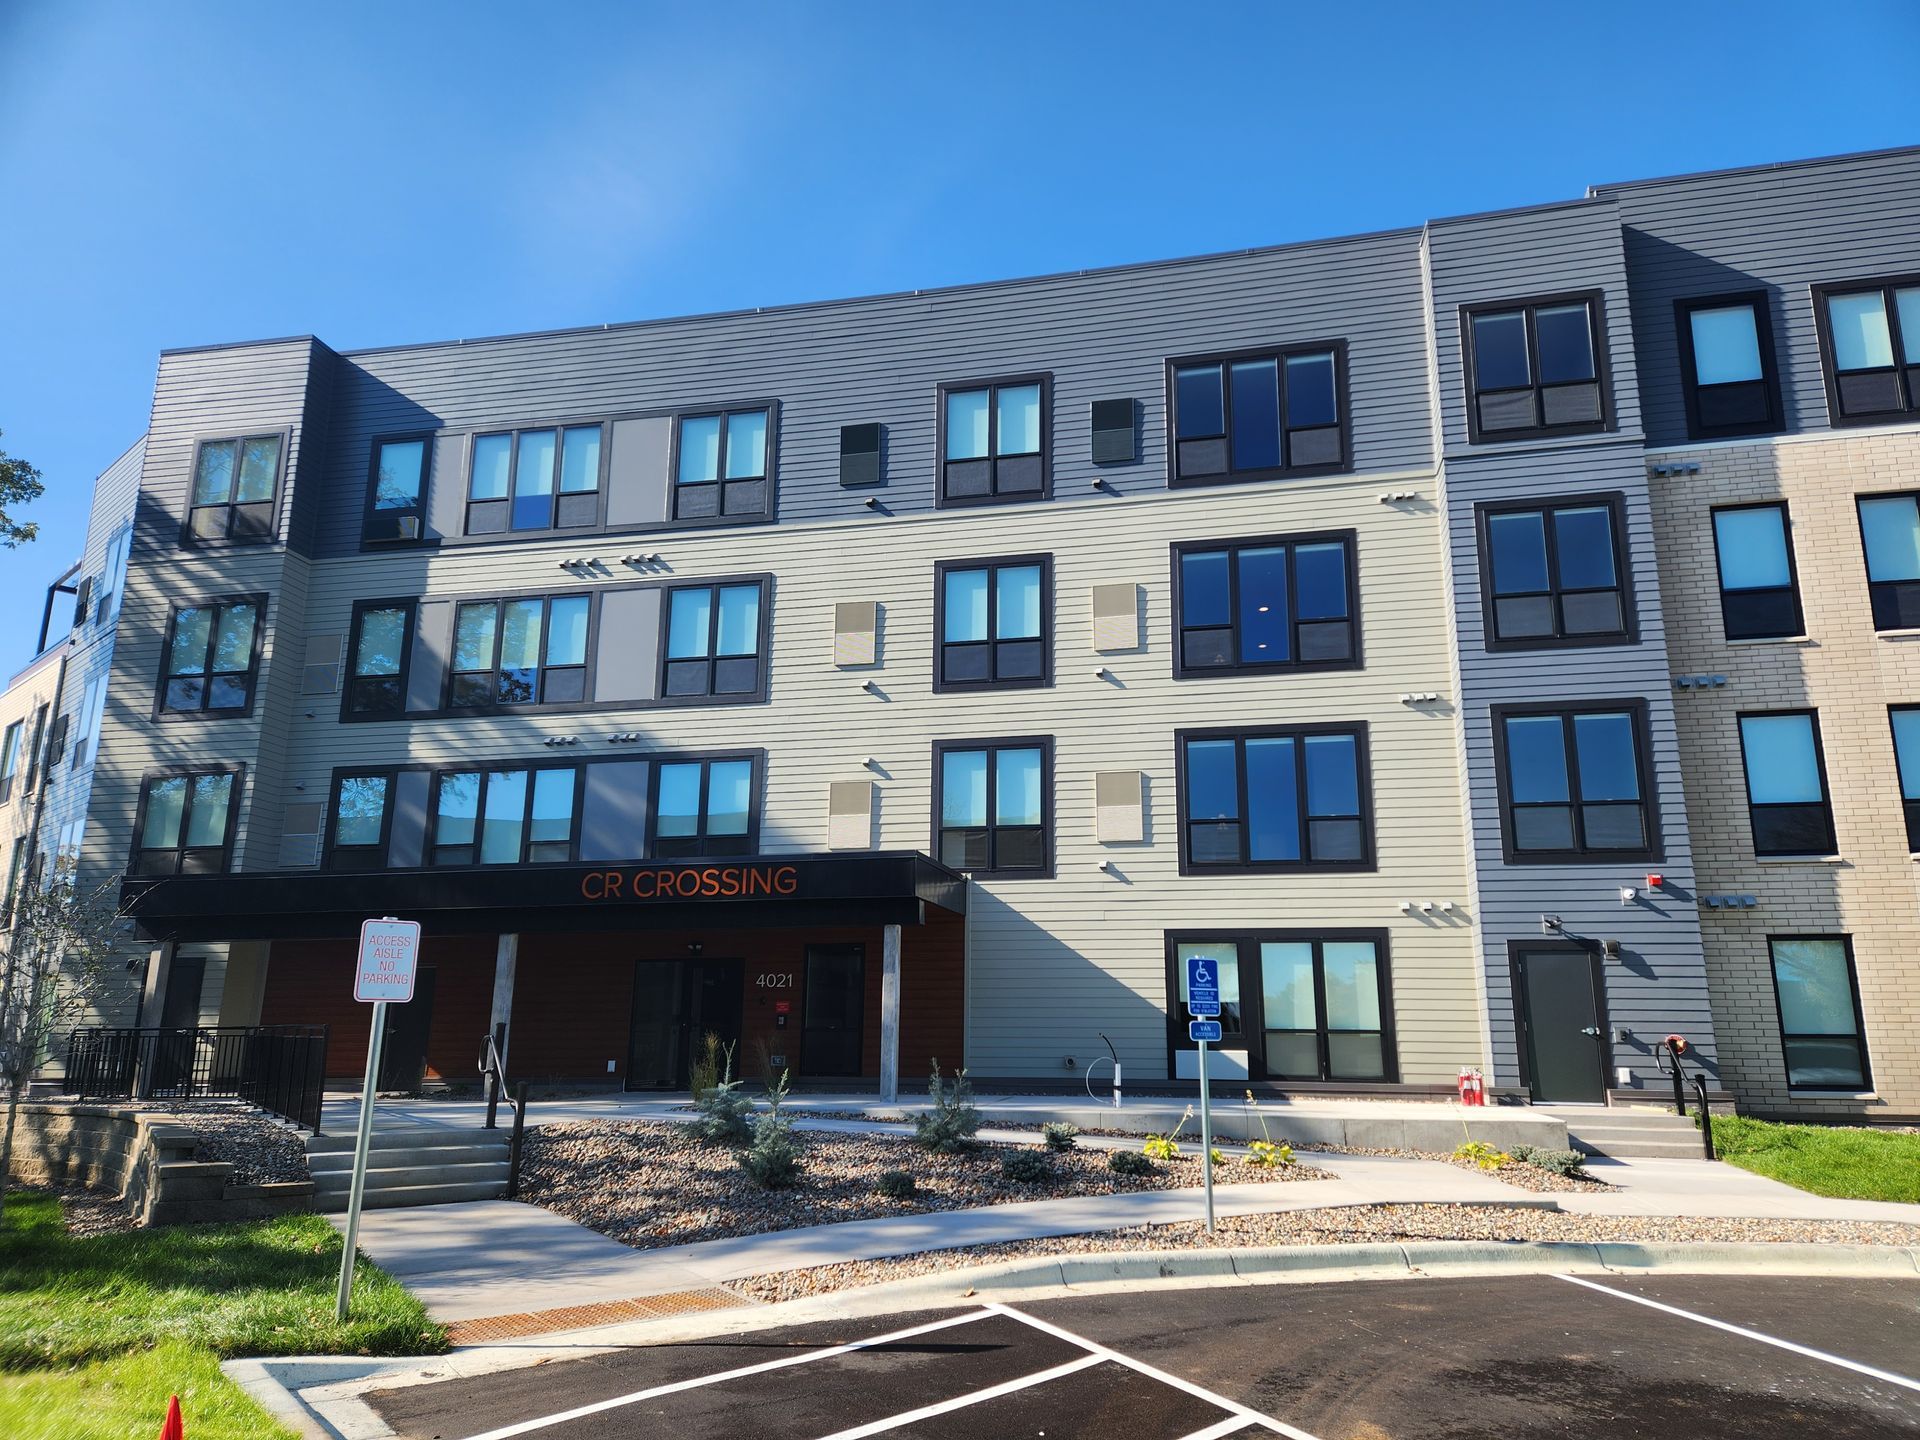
pixel 181 173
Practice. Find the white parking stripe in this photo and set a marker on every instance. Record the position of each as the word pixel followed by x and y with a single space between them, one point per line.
pixel 1745 1333
pixel 528 1427
pixel 961 1402
pixel 1233 1425
pixel 1093 1347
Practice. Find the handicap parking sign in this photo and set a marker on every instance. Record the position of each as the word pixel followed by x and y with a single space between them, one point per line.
pixel 1203 985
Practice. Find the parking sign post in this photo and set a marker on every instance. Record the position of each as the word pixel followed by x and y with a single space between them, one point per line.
pixel 389 954
pixel 1203 1003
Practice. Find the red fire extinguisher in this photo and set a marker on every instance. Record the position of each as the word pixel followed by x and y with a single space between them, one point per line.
pixel 1473 1087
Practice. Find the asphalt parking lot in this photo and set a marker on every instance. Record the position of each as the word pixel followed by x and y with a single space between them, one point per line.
pixel 1727 1358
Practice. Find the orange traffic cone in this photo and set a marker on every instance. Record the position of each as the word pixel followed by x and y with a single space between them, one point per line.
pixel 175 1428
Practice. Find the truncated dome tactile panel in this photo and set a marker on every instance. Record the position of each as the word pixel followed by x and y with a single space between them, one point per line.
pixel 581 1317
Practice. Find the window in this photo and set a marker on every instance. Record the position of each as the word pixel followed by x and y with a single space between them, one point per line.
pixel 519 652
pixel 1258 604
pixel 522 816
pixel 721 469
pixel 1819 999
pixel 703 807
pixel 1253 416
pixel 1786 784
pixel 235 485
pixel 1906 755
pixel 547 479
pixel 1533 368
pixel 1555 574
pixel 1759 595
pixel 1890 535
pixel 1303 1005
pixel 113 579
pixel 1574 784
pixel 993 440
pixel 34 750
pixel 1870 346
pixel 92 708
pixel 714 641
pixel 1726 366
pixel 358 822
pixel 212 658
pixel 382 644
pixel 995 623
pixel 10 758
pixel 16 868
pixel 396 504
pixel 186 822
pixel 1274 800
pixel 993 806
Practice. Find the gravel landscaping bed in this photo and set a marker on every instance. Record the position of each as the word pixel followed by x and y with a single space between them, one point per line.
pixel 1350 1225
pixel 88 1212
pixel 260 1149
pixel 648 1184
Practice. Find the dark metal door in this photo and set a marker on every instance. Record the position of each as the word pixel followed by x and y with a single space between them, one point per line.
pixel 835 1004
pixel 173 1052
pixel 403 1060
pixel 676 1004
pixel 1560 1025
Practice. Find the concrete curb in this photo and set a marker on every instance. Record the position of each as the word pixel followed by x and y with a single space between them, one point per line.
pixel 322 1397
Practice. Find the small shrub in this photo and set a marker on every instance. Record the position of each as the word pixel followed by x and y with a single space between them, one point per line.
pixel 1128 1162
pixel 1028 1167
pixel 1059 1135
pixel 949 1127
pixel 1160 1147
pixel 1268 1155
pixel 1560 1162
pixel 726 1116
pixel 773 1160
pixel 896 1185
pixel 1482 1154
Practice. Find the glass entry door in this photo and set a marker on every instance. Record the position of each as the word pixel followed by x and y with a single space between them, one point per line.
pixel 835 1005
pixel 676 1003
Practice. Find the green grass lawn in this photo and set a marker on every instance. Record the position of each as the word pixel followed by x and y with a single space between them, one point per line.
pixel 1845 1163
pixel 96 1333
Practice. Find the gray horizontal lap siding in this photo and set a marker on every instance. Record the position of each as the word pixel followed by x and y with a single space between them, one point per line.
pixel 1782 230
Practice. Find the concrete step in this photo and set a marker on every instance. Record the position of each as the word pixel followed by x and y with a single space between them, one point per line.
pixel 406 1140
pixel 326 1162
pixel 407 1177
pixel 333 1202
pixel 1635 1147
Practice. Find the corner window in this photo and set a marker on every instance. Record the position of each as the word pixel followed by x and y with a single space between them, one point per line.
pixel 504 817
pixel 1285 602
pixel 703 807
pixel 1533 368
pixel 213 657
pixel 235 486
pixel 1555 574
pixel 1870 347
pixel 186 823
pixel 382 637
pixel 34 749
pixel 1786 784
pixel 993 441
pixel 399 488
pixel 715 644
pixel 1573 784
pixel 1759 595
pixel 357 826
pixel 1890 535
pixel 993 807
pixel 1819 999
pixel 994 621
pixel 546 479
pixel 113 579
pixel 721 469
pixel 1727 367
pixel 1274 800
pixel 10 745
pixel 93 707
pixel 1906 755
pixel 519 652
pixel 1254 416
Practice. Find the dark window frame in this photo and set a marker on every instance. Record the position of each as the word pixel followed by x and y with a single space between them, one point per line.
pixel 1886 597
pixel 1820 765
pixel 13 739
pixel 679 416
pixel 1342 408
pixel 495 705
pixel 411 606
pixel 418 510
pixel 993 385
pixel 1615 504
pixel 1910 809
pixel 992 745
pixel 1358 730
pixel 1180 549
pixel 706 759
pixel 762 654
pixel 36 748
pixel 1793 572
pixel 282 459
pixel 552 529
pixel 1640 715
pixel 992 565
pixel 1595 301
pixel 1906 376
pixel 484 769
pixel 162 713
pixel 1760 303
pixel 1859 1019
pixel 330 849
pixel 235 798
pixel 1247 944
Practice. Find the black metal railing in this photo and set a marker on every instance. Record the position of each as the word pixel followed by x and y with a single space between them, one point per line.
pixel 280 1068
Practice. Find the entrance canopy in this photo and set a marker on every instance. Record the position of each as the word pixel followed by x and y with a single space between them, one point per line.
pixel 747 892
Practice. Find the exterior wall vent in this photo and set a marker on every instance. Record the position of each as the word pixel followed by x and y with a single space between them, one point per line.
pixel 850 815
pixel 856 631
pixel 1113 428
pixel 1116 617
pixel 1119 807
pixel 300 834
pixel 321 675
pixel 860 455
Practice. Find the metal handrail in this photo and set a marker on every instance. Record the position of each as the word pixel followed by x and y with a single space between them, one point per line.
pixel 494 1070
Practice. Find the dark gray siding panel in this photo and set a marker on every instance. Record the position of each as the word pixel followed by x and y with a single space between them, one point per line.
pixel 447 488
pixel 613 816
pixel 432 648
pixel 637 479
pixel 407 841
pixel 627 658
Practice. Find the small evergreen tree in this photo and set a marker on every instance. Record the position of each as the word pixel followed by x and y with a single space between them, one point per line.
pixel 949 1126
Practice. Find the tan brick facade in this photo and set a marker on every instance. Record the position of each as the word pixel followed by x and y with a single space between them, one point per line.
pixel 1850 675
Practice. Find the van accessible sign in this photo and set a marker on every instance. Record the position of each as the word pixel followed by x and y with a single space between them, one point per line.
pixel 389 954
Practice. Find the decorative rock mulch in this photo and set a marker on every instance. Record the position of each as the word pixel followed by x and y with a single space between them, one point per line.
pixel 648 1184
pixel 1344 1226
pixel 260 1149
pixel 88 1213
